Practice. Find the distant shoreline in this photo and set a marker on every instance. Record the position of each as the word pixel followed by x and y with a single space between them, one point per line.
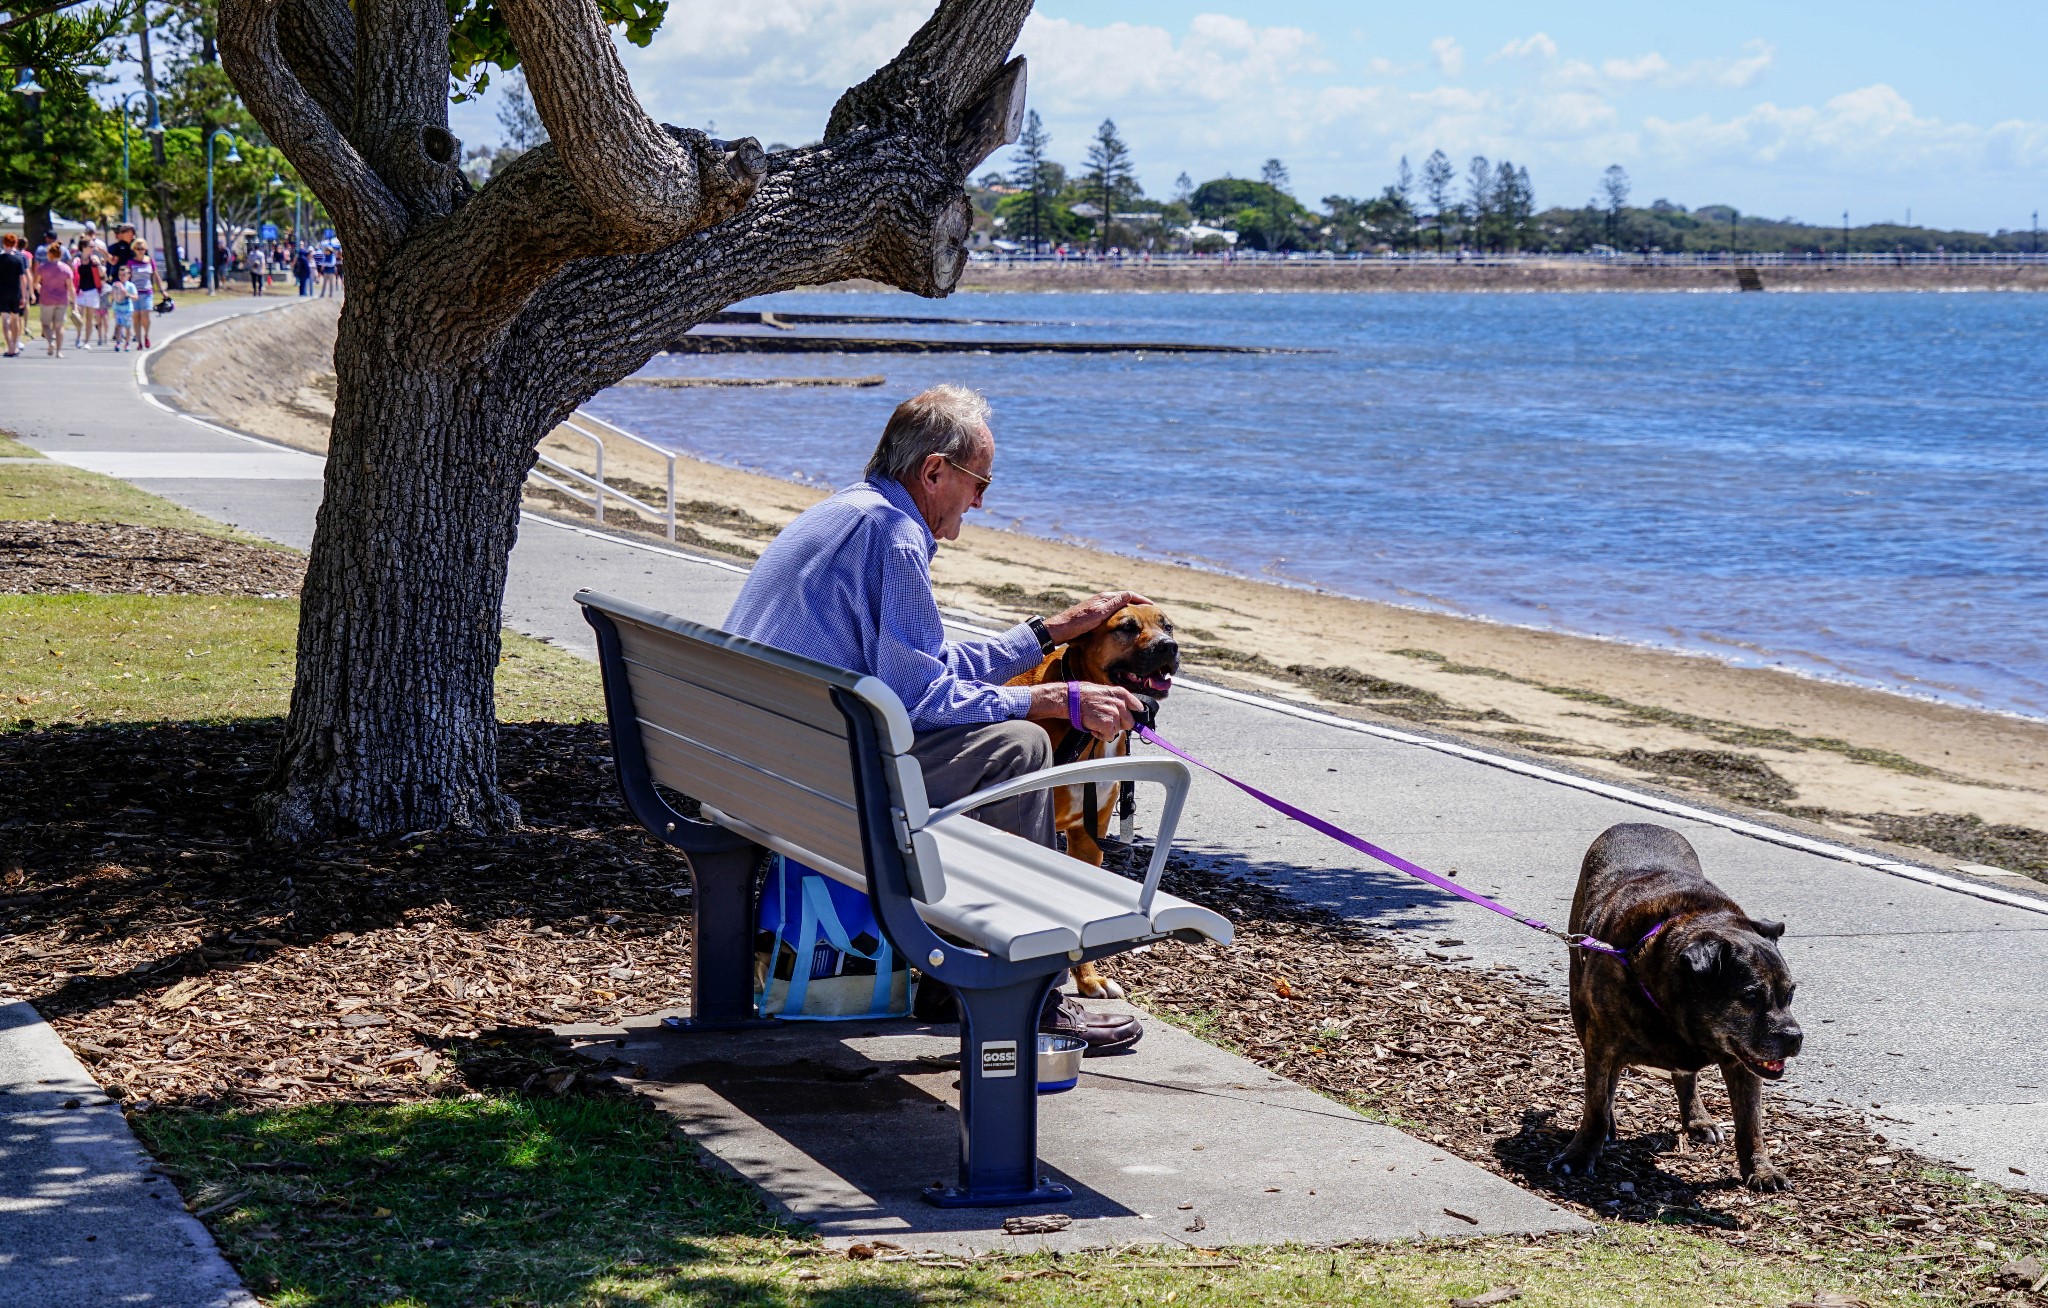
pixel 1370 275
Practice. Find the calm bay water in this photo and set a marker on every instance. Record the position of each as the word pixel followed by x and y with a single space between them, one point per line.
pixel 1849 485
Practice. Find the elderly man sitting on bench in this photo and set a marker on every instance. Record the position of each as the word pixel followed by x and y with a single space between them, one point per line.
pixel 849 583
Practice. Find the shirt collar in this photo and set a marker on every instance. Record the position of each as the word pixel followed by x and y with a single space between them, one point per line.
pixel 898 495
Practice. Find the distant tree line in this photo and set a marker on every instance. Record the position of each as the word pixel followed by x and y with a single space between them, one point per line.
pixel 1487 206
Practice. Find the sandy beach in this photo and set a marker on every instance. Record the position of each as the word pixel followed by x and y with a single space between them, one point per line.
pixel 1968 785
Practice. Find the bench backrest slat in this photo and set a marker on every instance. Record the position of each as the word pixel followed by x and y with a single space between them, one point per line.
pixel 755 734
pixel 755 797
pixel 813 758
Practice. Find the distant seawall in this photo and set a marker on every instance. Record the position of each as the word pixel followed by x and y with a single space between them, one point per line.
pixel 1393 275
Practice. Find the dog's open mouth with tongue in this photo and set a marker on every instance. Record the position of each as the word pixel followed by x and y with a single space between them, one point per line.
pixel 1157 683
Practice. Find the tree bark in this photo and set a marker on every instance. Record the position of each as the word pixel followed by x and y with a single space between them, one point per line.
pixel 446 384
pixel 392 725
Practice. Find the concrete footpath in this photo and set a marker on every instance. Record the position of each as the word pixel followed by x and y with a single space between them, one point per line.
pixel 85 1219
pixel 1920 991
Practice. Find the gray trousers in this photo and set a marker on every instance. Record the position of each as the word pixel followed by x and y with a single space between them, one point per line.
pixel 958 761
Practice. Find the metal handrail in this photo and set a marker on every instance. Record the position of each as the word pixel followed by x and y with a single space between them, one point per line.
pixel 580 424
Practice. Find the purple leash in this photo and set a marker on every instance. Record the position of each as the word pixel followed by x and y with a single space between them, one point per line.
pixel 1393 860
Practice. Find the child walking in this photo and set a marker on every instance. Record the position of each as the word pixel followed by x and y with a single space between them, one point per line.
pixel 121 300
pixel 143 269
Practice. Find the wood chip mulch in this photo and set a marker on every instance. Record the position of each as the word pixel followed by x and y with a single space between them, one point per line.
pixel 191 965
pixel 116 558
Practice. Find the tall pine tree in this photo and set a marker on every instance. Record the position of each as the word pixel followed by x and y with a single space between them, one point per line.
pixel 1111 179
pixel 1029 174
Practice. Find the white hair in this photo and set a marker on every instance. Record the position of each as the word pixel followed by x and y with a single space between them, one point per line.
pixel 943 420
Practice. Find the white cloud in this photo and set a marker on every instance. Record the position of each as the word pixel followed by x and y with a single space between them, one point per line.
pixel 1074 66
pixel 1872 128
pixel 1450 56
pixel 1535 46
pixel 1638 69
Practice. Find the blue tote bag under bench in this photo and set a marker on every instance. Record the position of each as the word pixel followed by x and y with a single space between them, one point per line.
pixel 819 954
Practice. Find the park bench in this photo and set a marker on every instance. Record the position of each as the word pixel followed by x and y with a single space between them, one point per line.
pixel 783 753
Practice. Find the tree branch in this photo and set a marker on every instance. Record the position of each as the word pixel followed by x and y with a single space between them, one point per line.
pixel 646 187
pixel 16 18
pixel 876 207
pixel 401 104
pixel 881 199
pixel 943 69
pixel 370 217
pixel 318 38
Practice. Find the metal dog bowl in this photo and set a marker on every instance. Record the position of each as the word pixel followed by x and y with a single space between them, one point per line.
pixel 1059 1062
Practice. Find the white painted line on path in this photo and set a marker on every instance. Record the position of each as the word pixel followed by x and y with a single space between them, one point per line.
pixel 142 382
pixel 143 465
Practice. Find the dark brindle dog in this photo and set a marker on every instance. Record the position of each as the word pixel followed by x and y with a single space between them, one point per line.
pixel 1135 649
pixel 1703 984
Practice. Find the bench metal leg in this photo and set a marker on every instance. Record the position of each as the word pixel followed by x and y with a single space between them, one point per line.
pixel 722 924
pixel 999 1100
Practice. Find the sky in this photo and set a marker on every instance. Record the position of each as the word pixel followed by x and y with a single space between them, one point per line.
pixel 1781 109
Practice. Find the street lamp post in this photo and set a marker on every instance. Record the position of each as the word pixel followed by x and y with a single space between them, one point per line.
pixel 234 156
pixel 27 87
pixel 155 127
pixel 1845 235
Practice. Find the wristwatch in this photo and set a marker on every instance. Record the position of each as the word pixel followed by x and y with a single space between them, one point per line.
pixel 1046 644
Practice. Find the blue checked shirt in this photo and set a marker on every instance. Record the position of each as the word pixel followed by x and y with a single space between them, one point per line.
pixel 849 583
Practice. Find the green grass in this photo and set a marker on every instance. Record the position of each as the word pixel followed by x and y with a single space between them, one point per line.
pixel 54 492
pixel 209 658
pixel 547 1202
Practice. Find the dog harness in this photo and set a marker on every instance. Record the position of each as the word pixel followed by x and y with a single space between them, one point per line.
pixel 1076 744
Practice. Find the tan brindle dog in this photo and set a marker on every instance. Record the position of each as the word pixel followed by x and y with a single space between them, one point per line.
pixel 1134 649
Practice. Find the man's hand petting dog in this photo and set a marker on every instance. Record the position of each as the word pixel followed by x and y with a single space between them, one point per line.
pixel 1090 613
pixel 1709 987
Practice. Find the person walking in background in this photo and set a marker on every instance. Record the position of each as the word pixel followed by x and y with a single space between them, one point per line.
pixel 91 275
pixel 142 269
pixel 120 298
pixel 56 287
pixel 14 293
pixel 259 267
pixel 302 271
pixel 326 269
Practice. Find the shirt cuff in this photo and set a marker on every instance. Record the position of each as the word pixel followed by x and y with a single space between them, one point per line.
pixel 1019 697
pixel 1020 646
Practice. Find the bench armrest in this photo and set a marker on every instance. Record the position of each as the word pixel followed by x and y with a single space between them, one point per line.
pixel 1168 772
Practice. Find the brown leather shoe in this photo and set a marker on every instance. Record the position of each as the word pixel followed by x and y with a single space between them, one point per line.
pixel 1105 1033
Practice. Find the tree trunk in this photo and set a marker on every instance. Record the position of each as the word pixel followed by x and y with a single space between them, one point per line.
pixel 170 260
pixel 393 726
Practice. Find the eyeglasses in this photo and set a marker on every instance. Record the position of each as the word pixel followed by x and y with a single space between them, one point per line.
pixel 986 482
